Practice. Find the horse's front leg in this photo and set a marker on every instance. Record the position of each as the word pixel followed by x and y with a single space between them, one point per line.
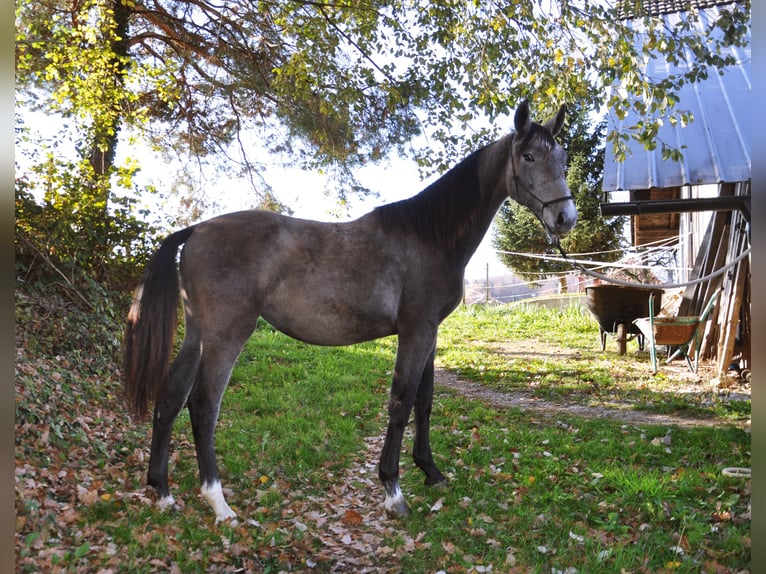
pixel 421 452
pixel 411 358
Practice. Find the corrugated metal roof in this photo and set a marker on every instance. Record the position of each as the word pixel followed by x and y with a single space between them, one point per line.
pixel 717 142
pixel 627 9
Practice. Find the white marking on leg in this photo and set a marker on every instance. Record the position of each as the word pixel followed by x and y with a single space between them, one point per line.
pixel 213 493
pixel 166 502
pixel 394 501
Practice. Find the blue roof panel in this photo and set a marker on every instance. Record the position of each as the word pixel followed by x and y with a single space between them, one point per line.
pixel 716 145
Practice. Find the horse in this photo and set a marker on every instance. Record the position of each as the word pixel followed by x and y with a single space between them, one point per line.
pixel 398 270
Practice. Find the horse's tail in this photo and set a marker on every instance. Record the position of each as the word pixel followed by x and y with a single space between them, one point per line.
pixel 151 327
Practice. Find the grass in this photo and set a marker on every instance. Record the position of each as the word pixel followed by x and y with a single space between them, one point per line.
pixel 531 493
pixel 594 495
pixel 300 406
pixel 554 354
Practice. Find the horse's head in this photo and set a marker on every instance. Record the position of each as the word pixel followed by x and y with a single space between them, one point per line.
pixel 537 175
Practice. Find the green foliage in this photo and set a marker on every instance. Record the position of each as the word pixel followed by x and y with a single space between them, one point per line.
pixel 76 261
pixel 72 59
pixel 75 227
pixel 345 84
pixel 517 230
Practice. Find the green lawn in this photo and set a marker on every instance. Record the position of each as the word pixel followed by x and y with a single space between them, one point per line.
pixel 297 449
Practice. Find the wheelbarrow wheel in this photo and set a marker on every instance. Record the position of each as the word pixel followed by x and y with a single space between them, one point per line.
pixel 602 335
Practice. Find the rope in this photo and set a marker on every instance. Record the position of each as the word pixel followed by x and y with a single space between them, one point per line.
pixel 566 259
pixel 702 279
pixel 736 472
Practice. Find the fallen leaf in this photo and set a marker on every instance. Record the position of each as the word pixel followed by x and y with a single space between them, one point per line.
pixel 576 537
pixel 85 496
pixel 351 517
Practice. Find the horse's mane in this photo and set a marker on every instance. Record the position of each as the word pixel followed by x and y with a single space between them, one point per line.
pixel 443 211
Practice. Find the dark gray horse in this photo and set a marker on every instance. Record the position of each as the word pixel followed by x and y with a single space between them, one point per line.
pixel 396 270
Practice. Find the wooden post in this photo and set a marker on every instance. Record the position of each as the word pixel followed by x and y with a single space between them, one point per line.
pixel 730 313
pixel 486 296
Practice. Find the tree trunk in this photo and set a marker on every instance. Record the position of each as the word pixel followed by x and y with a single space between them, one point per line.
pixel 104 145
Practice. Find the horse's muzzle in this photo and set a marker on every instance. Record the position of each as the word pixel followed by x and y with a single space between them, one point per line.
pixel 559 219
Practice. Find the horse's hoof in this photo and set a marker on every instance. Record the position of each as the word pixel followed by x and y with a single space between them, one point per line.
pixel 395 504
pixel 442 483
pixel 398 509
pixel 166 503
pixel 227 520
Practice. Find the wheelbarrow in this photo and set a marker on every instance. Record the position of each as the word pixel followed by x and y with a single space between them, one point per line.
pixel 682 332
pixel 615 307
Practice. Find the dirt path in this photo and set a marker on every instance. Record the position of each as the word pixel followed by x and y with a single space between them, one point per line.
pixel 526 402
pixel 679 379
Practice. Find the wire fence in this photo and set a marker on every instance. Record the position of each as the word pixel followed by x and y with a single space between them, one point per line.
pixel 655 262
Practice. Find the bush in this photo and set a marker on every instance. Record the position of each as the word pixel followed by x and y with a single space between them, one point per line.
pixel 74 275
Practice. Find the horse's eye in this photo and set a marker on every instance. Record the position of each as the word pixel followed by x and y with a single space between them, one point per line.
pixel 529 157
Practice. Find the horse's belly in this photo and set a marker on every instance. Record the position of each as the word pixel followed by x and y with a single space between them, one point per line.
pixel 337 320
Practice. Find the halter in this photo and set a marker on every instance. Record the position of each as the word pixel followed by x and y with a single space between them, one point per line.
pixel 519 185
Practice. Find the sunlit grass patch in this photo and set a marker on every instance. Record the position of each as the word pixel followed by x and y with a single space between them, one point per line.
pixel 554 354
pixel 591 494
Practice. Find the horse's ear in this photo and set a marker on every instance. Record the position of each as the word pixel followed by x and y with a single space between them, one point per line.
pixel 521 121
pixel 554 125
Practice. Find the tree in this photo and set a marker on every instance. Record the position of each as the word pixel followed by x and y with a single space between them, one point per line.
pixel 518 231
pixel 338 84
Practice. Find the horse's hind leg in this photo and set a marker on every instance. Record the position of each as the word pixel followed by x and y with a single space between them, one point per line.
pixel 421 451
pixel 183 374
pixel 204 403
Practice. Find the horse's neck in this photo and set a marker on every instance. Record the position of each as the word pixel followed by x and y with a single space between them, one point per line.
pixel 492 184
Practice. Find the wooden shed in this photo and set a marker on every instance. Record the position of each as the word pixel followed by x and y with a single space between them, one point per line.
pixel 702 201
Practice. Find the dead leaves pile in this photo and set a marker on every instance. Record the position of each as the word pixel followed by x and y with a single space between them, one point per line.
pixel 69 456
pixel 343 528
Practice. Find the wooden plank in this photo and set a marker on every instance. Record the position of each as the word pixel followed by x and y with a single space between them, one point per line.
pixel 730 320
pixel 708 345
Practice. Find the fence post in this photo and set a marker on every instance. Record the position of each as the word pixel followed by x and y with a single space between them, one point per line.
pixel 486 296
